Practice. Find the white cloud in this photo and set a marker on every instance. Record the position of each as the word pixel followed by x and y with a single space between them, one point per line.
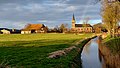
pixel 12 24
pixel 49 12
pixel 71 8
pixel 42 21
pixel 92 22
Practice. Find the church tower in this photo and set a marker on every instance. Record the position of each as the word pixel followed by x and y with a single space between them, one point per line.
pixel 73 21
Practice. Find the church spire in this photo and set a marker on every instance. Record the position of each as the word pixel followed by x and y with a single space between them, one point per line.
pixel 73 17
pixel 73 21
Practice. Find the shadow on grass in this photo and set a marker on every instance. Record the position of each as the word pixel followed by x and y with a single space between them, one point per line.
pixel 27 56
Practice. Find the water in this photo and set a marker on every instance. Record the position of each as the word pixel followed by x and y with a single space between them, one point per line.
pixel 90 55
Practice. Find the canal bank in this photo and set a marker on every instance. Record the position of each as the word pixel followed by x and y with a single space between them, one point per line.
pixel 77 63
pixel 95 54
pixel 110 52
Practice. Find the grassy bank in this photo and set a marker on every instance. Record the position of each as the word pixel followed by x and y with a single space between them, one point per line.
pixel 76 60
pixel 31 50
pixel 113 44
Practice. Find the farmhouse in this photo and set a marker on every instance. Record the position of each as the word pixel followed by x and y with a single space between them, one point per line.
pixel 81 27
pixel 34 28
pixel 4 31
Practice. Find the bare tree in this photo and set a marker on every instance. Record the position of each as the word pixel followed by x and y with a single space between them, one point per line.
pixel 85 22
pixel 111 15
pixel 63 28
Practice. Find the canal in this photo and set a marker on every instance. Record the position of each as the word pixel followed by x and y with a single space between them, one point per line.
pixel 97 55
pixel 90 55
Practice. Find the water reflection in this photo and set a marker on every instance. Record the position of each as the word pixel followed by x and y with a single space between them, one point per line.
pixel 96 55
pixel 89 56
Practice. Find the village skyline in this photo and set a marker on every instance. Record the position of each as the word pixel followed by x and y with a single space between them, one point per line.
pixel 59 33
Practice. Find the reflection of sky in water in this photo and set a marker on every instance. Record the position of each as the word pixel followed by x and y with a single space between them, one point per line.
pixel 89 56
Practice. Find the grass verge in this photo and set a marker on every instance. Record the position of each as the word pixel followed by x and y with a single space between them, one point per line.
pixel 113 44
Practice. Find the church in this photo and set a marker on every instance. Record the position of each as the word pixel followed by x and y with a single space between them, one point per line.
pixel 87 28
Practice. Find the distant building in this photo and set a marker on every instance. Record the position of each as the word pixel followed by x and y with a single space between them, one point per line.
pixel 15 31
pixel 5 31
pixel 81 27
pixel 34 28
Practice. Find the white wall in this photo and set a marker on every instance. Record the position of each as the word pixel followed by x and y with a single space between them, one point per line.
pixel 25 32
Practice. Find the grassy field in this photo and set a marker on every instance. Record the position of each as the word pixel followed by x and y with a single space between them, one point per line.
pixel 31 50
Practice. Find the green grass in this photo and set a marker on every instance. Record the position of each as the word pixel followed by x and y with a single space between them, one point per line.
pixel 114 45
pixel 31 50
pixel 33 37
pixel 108 38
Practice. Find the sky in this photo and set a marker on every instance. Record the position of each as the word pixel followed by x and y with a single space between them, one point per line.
pixel 18 13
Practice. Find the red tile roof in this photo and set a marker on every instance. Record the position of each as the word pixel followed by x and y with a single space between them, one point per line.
pixel 33 27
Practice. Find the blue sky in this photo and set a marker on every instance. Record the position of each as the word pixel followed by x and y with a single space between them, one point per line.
pixel 18 13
